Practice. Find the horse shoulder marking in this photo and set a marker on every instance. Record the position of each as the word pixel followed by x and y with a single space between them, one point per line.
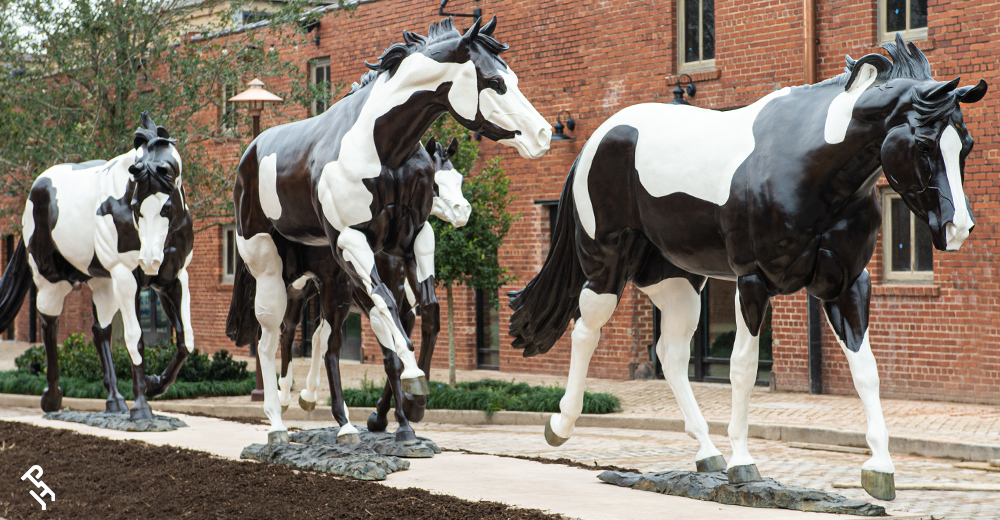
pixel 76 194
pixel 267 186
pixel 838 116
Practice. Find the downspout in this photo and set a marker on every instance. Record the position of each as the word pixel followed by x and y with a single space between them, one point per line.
pixel 810 41
pixel 813 305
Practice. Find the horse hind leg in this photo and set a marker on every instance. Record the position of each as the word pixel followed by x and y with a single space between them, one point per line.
pixel 308 396
pixel 596 309
pixel 49 303
pixel 293 314
pixel 743 376
pixel 680 305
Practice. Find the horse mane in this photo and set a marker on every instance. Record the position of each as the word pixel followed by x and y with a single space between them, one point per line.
pixel 412 42
pixel 150 134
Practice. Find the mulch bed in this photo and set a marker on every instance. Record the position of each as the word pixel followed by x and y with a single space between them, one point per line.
pixel 94 477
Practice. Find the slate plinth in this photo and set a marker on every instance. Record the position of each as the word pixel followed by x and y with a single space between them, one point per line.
pixel 383 443
pixel 339 459
pixel 768 493
pixel 119 421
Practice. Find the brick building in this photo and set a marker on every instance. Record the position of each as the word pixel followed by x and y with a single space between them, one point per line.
pixel 934 326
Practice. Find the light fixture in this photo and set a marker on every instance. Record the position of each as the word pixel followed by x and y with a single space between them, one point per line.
pixel 557 134
pixel 679 92
pixel 255 97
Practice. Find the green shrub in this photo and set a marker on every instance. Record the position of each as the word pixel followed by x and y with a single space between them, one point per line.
pixel 78 359
pixel 21 382
pixel 488 395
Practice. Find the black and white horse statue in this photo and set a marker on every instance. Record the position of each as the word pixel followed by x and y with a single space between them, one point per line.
pixel 335 180
pixel 407 268
pixel 778 196
pixel 119 226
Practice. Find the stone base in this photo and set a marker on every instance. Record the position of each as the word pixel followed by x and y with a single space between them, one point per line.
pixel 383 443
pixel 339 459
pixel 119 421
pixel 767 493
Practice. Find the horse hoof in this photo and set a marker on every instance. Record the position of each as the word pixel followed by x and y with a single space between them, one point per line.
pixel 115 406
pixel 716 463
pixel 551 437
pixel 878 484
pixel 405 435
pixel 743 474
pixel 307 405
pixel 278 437
pixel 416 386
pixel 349 438
pixel 52 401
pixel 154 387
pixel 375 425
pixel 140 413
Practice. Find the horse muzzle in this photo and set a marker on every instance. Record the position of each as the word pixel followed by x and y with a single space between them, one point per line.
pixel 150 266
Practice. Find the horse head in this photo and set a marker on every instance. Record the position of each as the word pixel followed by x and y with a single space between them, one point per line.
pixel 923 154
pixel 449 202
pixel 155 179
pixel 481 90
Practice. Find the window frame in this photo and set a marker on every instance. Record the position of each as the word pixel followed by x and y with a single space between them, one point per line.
pixel 700 65
pixel 314 65
pixel 228 124
pixel 228 278
pixel 911 276
pixel 920 33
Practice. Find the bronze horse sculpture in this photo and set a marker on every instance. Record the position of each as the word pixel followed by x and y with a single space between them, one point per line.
pixel 337 180
pixel 777 196
pixel 119 226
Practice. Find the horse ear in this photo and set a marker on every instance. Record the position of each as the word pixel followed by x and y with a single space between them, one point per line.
pixel 942 88
pixel 162 132
pixel 413 38
pixel 431 146
pixel 972 94
pixel 138 140
pixel 881 64
pixel 473 32
pixel 453 147
pixel 145 121
pixel 490 27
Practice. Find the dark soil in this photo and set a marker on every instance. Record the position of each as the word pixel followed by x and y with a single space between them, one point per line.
pixel 97 478
pixel 560 461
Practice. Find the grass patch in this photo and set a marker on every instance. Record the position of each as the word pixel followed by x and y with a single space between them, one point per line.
pixel 20 382
pixel 488 395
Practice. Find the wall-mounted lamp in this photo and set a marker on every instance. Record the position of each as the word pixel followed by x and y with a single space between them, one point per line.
pixel 476 13
pixel 679 92
pixel 557 134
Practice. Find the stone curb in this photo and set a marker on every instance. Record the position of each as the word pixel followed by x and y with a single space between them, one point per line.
pixel 936 448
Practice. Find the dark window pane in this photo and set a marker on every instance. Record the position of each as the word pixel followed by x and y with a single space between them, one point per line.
pixel 162 324
pixel 923 250
pixel 895 15
pixel 691 8
pixel 918 14
pixel 900 236
pixel 144 315
pixel 352 326
pixel 708 30
pixel 230 252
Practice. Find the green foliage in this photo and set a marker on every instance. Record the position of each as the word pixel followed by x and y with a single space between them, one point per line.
pixel 489 395
pixel 78 360
pixel 20 382
pixel 75 75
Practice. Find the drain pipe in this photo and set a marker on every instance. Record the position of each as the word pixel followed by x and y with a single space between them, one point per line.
pixel 809 65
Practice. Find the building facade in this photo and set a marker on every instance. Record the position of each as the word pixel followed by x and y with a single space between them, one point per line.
pixel 935 317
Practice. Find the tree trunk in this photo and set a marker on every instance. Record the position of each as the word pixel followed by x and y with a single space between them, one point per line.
pixel 451 337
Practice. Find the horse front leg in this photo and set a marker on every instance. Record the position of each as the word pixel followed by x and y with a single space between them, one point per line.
pixel 596 309
pixel 743 376
pixel 320 337
pixel 336 308
pixel 383 314
pixel 848 315
pixel 104 312
pixel 172 300
pixel 680 308
pixel 293 315
pixel 261 256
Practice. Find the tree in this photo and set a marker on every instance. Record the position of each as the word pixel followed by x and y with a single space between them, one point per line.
pixel 468 255
pixel 75 75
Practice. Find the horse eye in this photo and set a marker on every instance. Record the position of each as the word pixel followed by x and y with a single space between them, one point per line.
pixel 498 85
pixel 923 147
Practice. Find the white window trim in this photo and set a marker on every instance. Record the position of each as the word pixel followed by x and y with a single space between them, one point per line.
pixel 226 228
pixel 919 33
pixel 224 105
pixel 898 276
pixel 692 66
pixel 314 65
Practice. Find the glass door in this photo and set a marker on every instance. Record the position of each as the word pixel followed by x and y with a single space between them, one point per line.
pixel 712 345
pixel 153 321
pixel 487 333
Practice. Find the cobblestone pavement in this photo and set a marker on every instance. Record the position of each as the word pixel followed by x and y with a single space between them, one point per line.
pixel 657 451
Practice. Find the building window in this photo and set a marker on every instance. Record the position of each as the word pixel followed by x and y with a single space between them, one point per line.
pixel 906 242
pixel 229 253
pixel 907 17
pixel 227 110
pixel 696 34
pixel 319 75
pixel 487 332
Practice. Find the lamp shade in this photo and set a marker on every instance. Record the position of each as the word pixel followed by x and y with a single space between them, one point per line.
pixel 256 92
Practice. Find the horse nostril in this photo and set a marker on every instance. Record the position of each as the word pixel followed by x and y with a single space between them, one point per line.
pixel 544 134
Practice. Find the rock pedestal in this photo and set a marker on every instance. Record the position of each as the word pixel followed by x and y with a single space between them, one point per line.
pixel 347 460
pixel 383 443
pixel 119 421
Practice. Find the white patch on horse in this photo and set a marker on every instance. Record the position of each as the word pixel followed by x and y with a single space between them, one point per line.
pixel 28 221
pixel 702 168
pixel 267 186
pixel 961 225
pixel 320 343
pixel 102 291
pixel 182 278
pixel 153 228
pixel 513 111
pixel 357 251
pixel 841 111
pixel 301 281
pixel 410 297
pixel 77 197
pixel 423 251
pixel 450 204
pixel 49 300
pixel 742 374
pixel 343 196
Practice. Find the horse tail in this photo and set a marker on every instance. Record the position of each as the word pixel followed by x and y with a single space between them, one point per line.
pixel 14 285
pixel 543 309
pixel 241 324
